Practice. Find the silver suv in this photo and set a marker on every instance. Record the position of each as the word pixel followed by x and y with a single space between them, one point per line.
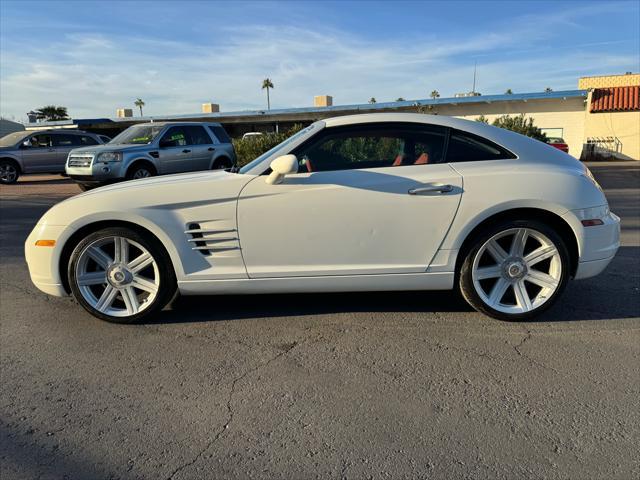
pixel 43 151
pixel 149 149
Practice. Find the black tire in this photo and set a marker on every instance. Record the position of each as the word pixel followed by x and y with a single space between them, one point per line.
pixel 141 170
pixel 85 186
pixel 167 280
pixel 9 171
pixel 221 163
pixel 465 278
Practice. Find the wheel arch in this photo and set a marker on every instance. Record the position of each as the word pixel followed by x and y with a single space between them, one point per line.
pixel 13 160
pixel 141 161
pixel 85 230
pixel 524 213
pixel 223 157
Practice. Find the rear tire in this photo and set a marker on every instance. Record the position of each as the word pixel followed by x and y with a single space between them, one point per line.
pixel 221 163
pixel 9 171
pixel 120 275
pixel 85 186
pixel 514 270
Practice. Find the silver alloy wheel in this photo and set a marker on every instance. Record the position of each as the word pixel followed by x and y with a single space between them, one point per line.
pixel 517 270
pixel 8 173
pixel 141 173
pixel 114 283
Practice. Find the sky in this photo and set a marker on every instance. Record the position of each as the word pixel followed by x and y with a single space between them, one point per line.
pixel 96 56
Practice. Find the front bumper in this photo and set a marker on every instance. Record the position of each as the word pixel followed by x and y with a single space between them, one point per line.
pixel 44 262
pixel 97 172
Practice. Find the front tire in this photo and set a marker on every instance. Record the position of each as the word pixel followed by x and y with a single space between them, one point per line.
pixel 515 270
pixel 120 275
pixel 140 171
pixel 9 172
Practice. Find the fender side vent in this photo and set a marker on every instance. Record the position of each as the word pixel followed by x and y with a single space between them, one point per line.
pixel 195 233
pixel 155 154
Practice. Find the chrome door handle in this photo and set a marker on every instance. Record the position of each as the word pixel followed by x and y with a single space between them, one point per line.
pixel 431 189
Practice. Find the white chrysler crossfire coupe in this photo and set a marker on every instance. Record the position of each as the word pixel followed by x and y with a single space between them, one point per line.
pixel 357 203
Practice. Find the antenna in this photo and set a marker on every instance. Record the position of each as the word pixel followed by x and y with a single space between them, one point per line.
pixel 475 67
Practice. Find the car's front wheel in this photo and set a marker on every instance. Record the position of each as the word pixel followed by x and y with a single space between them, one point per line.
pixel 120 275
pixel 9 172
pixel 515 270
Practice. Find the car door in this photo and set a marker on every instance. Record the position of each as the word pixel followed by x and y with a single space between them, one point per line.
pixel 175 150
pixel 366 200
pixel 202 148
pixel 38 154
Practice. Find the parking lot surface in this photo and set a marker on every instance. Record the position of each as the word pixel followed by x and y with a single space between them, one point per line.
pixel 399 385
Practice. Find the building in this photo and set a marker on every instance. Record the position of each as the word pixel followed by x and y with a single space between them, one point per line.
pixel 602 116
pixel 7 127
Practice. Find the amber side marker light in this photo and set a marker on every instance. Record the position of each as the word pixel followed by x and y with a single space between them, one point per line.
pixel 592 223
pixel 45 243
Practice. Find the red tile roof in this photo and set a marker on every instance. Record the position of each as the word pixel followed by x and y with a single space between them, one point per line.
pixel 616 99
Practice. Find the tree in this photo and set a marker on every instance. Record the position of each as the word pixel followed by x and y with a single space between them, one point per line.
pixel 520 124
pixel 435 94
pixel 482 119
pixel 548 89
pixel 400 99
pixel 266 85
pixel 52 113
pixel 372 100
pixel 139 103
pixel 509 92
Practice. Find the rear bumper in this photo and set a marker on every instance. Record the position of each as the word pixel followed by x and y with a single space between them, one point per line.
pixel 592 268
pixel 598 246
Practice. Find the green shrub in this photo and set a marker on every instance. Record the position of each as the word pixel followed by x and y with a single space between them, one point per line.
pixel 520 124
pixel 252 147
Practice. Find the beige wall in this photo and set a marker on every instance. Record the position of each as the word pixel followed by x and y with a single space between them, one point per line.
pixel 623 125
pixel 569 115
pixel 607 81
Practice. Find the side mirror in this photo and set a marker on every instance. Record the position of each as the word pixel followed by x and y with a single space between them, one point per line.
pixel 280 167
pixel 26 144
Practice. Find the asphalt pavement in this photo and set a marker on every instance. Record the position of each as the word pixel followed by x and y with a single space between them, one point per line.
pixel 384 385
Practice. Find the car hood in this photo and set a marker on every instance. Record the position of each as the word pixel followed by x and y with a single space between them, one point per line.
pixel 111 148
pixel 161 196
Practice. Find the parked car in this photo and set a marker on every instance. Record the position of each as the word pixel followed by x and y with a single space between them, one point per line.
pixel 558 143
pixel 365 202
pixel 251 135
pixel 150 149
pixel 43 151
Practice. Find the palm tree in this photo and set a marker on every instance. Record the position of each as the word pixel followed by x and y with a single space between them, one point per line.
pixel 508 92
pixel 52 113
pixel 400 99
pixel 548 89
pixel 435 94
pixel 267 84
pixel 372 100
pixel 139 103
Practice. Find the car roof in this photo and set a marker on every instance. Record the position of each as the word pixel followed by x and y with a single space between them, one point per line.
pixel 162 124
pixel 59 130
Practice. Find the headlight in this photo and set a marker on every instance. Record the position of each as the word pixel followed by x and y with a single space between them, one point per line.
pixel 109 157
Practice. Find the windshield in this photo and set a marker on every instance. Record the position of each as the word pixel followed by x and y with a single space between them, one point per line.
pixel 13 138
pixel 137 135
pixel 268 153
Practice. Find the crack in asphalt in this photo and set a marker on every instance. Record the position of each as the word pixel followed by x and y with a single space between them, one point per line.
pixel 230 412
pixel 517 348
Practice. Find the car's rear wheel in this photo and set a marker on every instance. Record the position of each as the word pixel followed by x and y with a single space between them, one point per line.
pixel 9 172
pixel 515 270
pixel 86 186
pixel 120 275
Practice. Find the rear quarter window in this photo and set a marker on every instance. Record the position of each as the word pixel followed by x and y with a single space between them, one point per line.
pixel 467 147
pixel 219 133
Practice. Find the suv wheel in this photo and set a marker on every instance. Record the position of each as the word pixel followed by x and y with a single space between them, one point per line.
pixel 515 270
pixel 9 172
pixel 140 171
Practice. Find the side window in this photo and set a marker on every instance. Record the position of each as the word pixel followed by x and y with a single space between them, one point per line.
pixel 220 134
pixel 174 137
pixel 372 146
pixel 466 147
pixel 65 141
pixel 87 140
pixel 197 135
pixel 41 141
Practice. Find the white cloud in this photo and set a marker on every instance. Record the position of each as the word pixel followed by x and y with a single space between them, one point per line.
pixel 93 74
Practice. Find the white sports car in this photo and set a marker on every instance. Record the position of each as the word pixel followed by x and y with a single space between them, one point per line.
pixel 365 202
